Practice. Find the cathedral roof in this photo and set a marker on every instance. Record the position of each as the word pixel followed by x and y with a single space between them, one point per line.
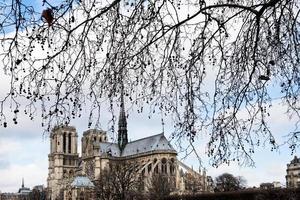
pixel 111 149
pixel 82 181
pixel 145 145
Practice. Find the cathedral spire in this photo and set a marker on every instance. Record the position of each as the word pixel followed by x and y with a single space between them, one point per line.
pixel 22 182
pixel 122 131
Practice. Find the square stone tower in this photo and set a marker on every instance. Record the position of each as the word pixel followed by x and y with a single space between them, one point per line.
pixel 63 159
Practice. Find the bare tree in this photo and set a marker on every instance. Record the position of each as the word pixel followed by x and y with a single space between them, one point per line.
pixel 212 65
pixel 193 183
pixel 103 187
pixel 160 186
pixel 119 182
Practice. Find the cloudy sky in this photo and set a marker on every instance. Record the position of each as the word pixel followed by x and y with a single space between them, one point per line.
pixel 24 149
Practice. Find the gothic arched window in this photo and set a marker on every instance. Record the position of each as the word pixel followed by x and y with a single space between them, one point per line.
pixel 164 165
pixel 172 169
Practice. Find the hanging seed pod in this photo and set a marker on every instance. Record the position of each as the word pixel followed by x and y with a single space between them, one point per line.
pixel 48 16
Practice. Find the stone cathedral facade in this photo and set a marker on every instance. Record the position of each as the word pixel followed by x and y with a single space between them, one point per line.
pixel 70 175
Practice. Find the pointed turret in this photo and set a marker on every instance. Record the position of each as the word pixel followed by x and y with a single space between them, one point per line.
pixel 122 131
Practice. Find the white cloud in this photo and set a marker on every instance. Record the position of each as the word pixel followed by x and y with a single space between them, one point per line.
pixel 8 147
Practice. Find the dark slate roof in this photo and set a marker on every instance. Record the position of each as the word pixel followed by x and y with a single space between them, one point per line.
pixel 24 190
pixel 145 145
pixel 82 181
pixel 109 149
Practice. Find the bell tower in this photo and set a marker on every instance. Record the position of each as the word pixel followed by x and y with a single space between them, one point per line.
pixel 63 159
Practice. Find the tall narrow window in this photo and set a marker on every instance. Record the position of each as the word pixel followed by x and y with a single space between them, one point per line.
pixel 81 196
pixel 156 169
pixel 172 169
pixel 149 168
pixel 64 143
pixel 70 143
pixel 164 165
pixel 143 172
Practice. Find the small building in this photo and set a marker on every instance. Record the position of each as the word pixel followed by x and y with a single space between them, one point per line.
pixel 267 186
pixel 277 184
pixel 22 194
pixel 24 190
pixel 293 173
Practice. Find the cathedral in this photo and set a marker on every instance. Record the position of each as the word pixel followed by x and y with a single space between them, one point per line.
pixel 71 176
